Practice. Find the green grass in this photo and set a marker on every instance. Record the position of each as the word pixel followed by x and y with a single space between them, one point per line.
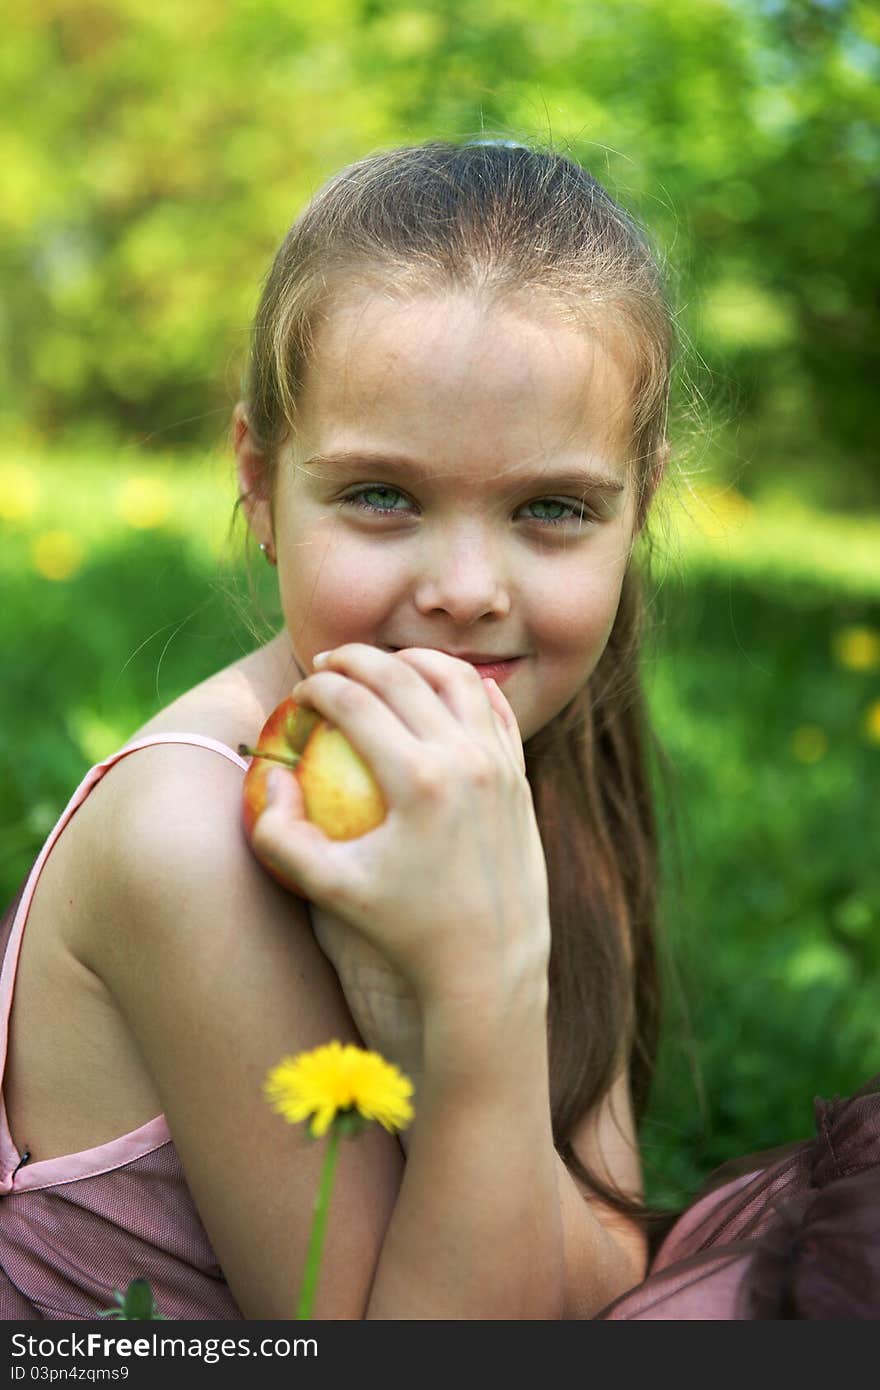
pixel 772 900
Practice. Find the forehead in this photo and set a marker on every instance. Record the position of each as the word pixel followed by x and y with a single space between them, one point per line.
pixel 471 371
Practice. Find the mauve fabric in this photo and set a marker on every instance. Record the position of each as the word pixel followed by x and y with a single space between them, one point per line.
pixel 793 1232
pixel 75 1228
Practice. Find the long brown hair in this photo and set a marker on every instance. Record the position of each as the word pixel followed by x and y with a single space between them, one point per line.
pixel 514 223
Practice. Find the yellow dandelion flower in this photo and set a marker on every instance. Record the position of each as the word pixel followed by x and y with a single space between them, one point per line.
pixel 144 502
pixel 57 554
pixel 809 743
pixel 343 1088
pixel 857 648
pixel 872 722
pixel 333 1080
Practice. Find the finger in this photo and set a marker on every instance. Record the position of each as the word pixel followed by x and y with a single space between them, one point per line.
pixel 293 850
pixel 511 733
pixel 503 720
pixel 457 683
pixel 402 687
pixel 373 729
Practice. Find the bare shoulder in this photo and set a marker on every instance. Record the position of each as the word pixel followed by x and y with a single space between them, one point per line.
pixel 217 974
pixel 177 895
pixel 165 823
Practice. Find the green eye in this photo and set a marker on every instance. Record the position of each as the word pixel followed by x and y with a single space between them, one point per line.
pixel 358 499
pixel 551 502
pixel 565 511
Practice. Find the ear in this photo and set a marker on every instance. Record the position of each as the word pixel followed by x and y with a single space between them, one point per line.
pixel 253 480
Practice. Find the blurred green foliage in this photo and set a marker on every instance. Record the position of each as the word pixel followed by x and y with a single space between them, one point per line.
pixel 153 155
pixel 766 696
pixel 125 585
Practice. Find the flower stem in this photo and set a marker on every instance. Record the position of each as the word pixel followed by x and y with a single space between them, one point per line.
pixel 319 1222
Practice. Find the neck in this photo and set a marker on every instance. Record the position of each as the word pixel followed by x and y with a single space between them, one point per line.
pixel 281 668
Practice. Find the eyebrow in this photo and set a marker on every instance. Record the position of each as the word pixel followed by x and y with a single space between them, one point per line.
pixel 345 459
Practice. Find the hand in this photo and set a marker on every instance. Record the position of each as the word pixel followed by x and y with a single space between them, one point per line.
pixel 452 887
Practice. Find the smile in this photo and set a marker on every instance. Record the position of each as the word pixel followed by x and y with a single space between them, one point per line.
pixel 498 669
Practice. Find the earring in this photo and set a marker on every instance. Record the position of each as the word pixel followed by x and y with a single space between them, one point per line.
pixel 268 552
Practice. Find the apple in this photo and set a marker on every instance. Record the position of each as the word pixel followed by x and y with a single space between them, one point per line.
pixel 339 792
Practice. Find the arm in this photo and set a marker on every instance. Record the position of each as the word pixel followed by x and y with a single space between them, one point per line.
pixel 476 1231
pixel 605 1252
pixel 216 973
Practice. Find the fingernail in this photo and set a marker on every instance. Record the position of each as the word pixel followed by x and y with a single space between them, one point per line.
pixel 273 782
pixel 319 658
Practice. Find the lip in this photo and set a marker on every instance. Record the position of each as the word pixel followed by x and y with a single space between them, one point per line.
pixel 498 668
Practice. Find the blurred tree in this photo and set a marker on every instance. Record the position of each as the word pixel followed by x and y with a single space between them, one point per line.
pixel 153 155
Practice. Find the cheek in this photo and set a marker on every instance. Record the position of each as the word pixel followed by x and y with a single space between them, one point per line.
pixel 338 588
pixel 575 616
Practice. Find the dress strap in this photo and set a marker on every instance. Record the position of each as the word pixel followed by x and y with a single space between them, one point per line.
pixel 197 741
pixel 89 781
pixel 13 924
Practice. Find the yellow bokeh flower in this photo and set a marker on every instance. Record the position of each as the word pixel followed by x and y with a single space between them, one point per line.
pixel 333 1080
pixel 857 648
pixel 872 722
pixel 57 554
pixel 95 738
pixel 809 743
pixel 717 510
pixel 18 494
pixel 144 502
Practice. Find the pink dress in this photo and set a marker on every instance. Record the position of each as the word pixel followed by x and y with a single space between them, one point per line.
pixel 74 1229
pixel 791 1233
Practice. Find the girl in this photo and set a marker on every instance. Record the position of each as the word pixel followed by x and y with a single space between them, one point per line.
pixel 453 426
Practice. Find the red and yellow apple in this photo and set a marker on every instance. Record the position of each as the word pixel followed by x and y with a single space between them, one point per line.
pixel 340 794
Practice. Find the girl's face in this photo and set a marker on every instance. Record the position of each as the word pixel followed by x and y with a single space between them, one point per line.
pixel 459 481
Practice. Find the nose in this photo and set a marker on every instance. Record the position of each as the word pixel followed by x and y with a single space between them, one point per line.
pixel 462 575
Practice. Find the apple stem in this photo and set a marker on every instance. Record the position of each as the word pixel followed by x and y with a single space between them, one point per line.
pixel 286 760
